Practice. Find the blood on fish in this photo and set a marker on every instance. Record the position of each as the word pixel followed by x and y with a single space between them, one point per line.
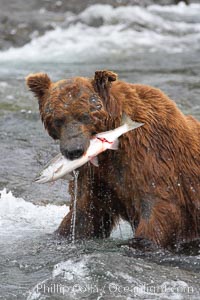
pixel 103 140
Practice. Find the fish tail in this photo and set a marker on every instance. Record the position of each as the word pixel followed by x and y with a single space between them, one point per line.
pixel 130 124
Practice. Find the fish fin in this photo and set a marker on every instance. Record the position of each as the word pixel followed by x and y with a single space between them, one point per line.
pixel 67 177
pixel 94 161
pixel 115 145
pixel 55 159
pixel 130 124
pixel 40 179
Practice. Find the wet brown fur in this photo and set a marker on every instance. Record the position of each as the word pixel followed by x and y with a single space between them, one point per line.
pixel 152 181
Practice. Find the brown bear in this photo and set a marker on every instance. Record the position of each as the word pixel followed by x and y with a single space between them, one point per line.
pixel 152 180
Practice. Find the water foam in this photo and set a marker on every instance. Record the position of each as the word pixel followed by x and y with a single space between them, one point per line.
pixel 19 217
pixel 103 32
pixel 71 268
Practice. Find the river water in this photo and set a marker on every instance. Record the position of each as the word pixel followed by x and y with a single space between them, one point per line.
pixel 156 45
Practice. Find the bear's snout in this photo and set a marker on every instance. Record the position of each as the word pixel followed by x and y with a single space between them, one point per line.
pixel 73 153
pixel 74 142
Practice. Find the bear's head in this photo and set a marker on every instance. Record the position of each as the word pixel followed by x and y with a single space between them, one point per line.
pixel 75 109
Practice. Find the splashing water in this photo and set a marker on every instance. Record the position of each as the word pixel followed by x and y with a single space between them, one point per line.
pixel 75 173
pixel 170 29
pixel 20 218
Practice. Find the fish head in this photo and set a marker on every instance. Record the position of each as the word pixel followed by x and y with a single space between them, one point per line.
pixel 73 110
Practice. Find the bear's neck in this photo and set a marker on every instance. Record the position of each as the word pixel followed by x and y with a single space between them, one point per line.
pixel 164 122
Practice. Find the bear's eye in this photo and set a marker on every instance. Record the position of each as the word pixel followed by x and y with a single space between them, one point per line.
pixel 96 105
pixel 85 118
pixel 99 106
pixel 59 122
pixel 93 99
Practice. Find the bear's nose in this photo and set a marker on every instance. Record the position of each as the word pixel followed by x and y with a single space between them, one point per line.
pixel 73 153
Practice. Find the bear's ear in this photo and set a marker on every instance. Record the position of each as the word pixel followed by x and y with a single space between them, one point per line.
pixel 38 83
pixel 102 83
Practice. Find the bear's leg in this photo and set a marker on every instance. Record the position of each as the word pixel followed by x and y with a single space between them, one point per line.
pixel 95 214
pixel 160 229
pixel 90 223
